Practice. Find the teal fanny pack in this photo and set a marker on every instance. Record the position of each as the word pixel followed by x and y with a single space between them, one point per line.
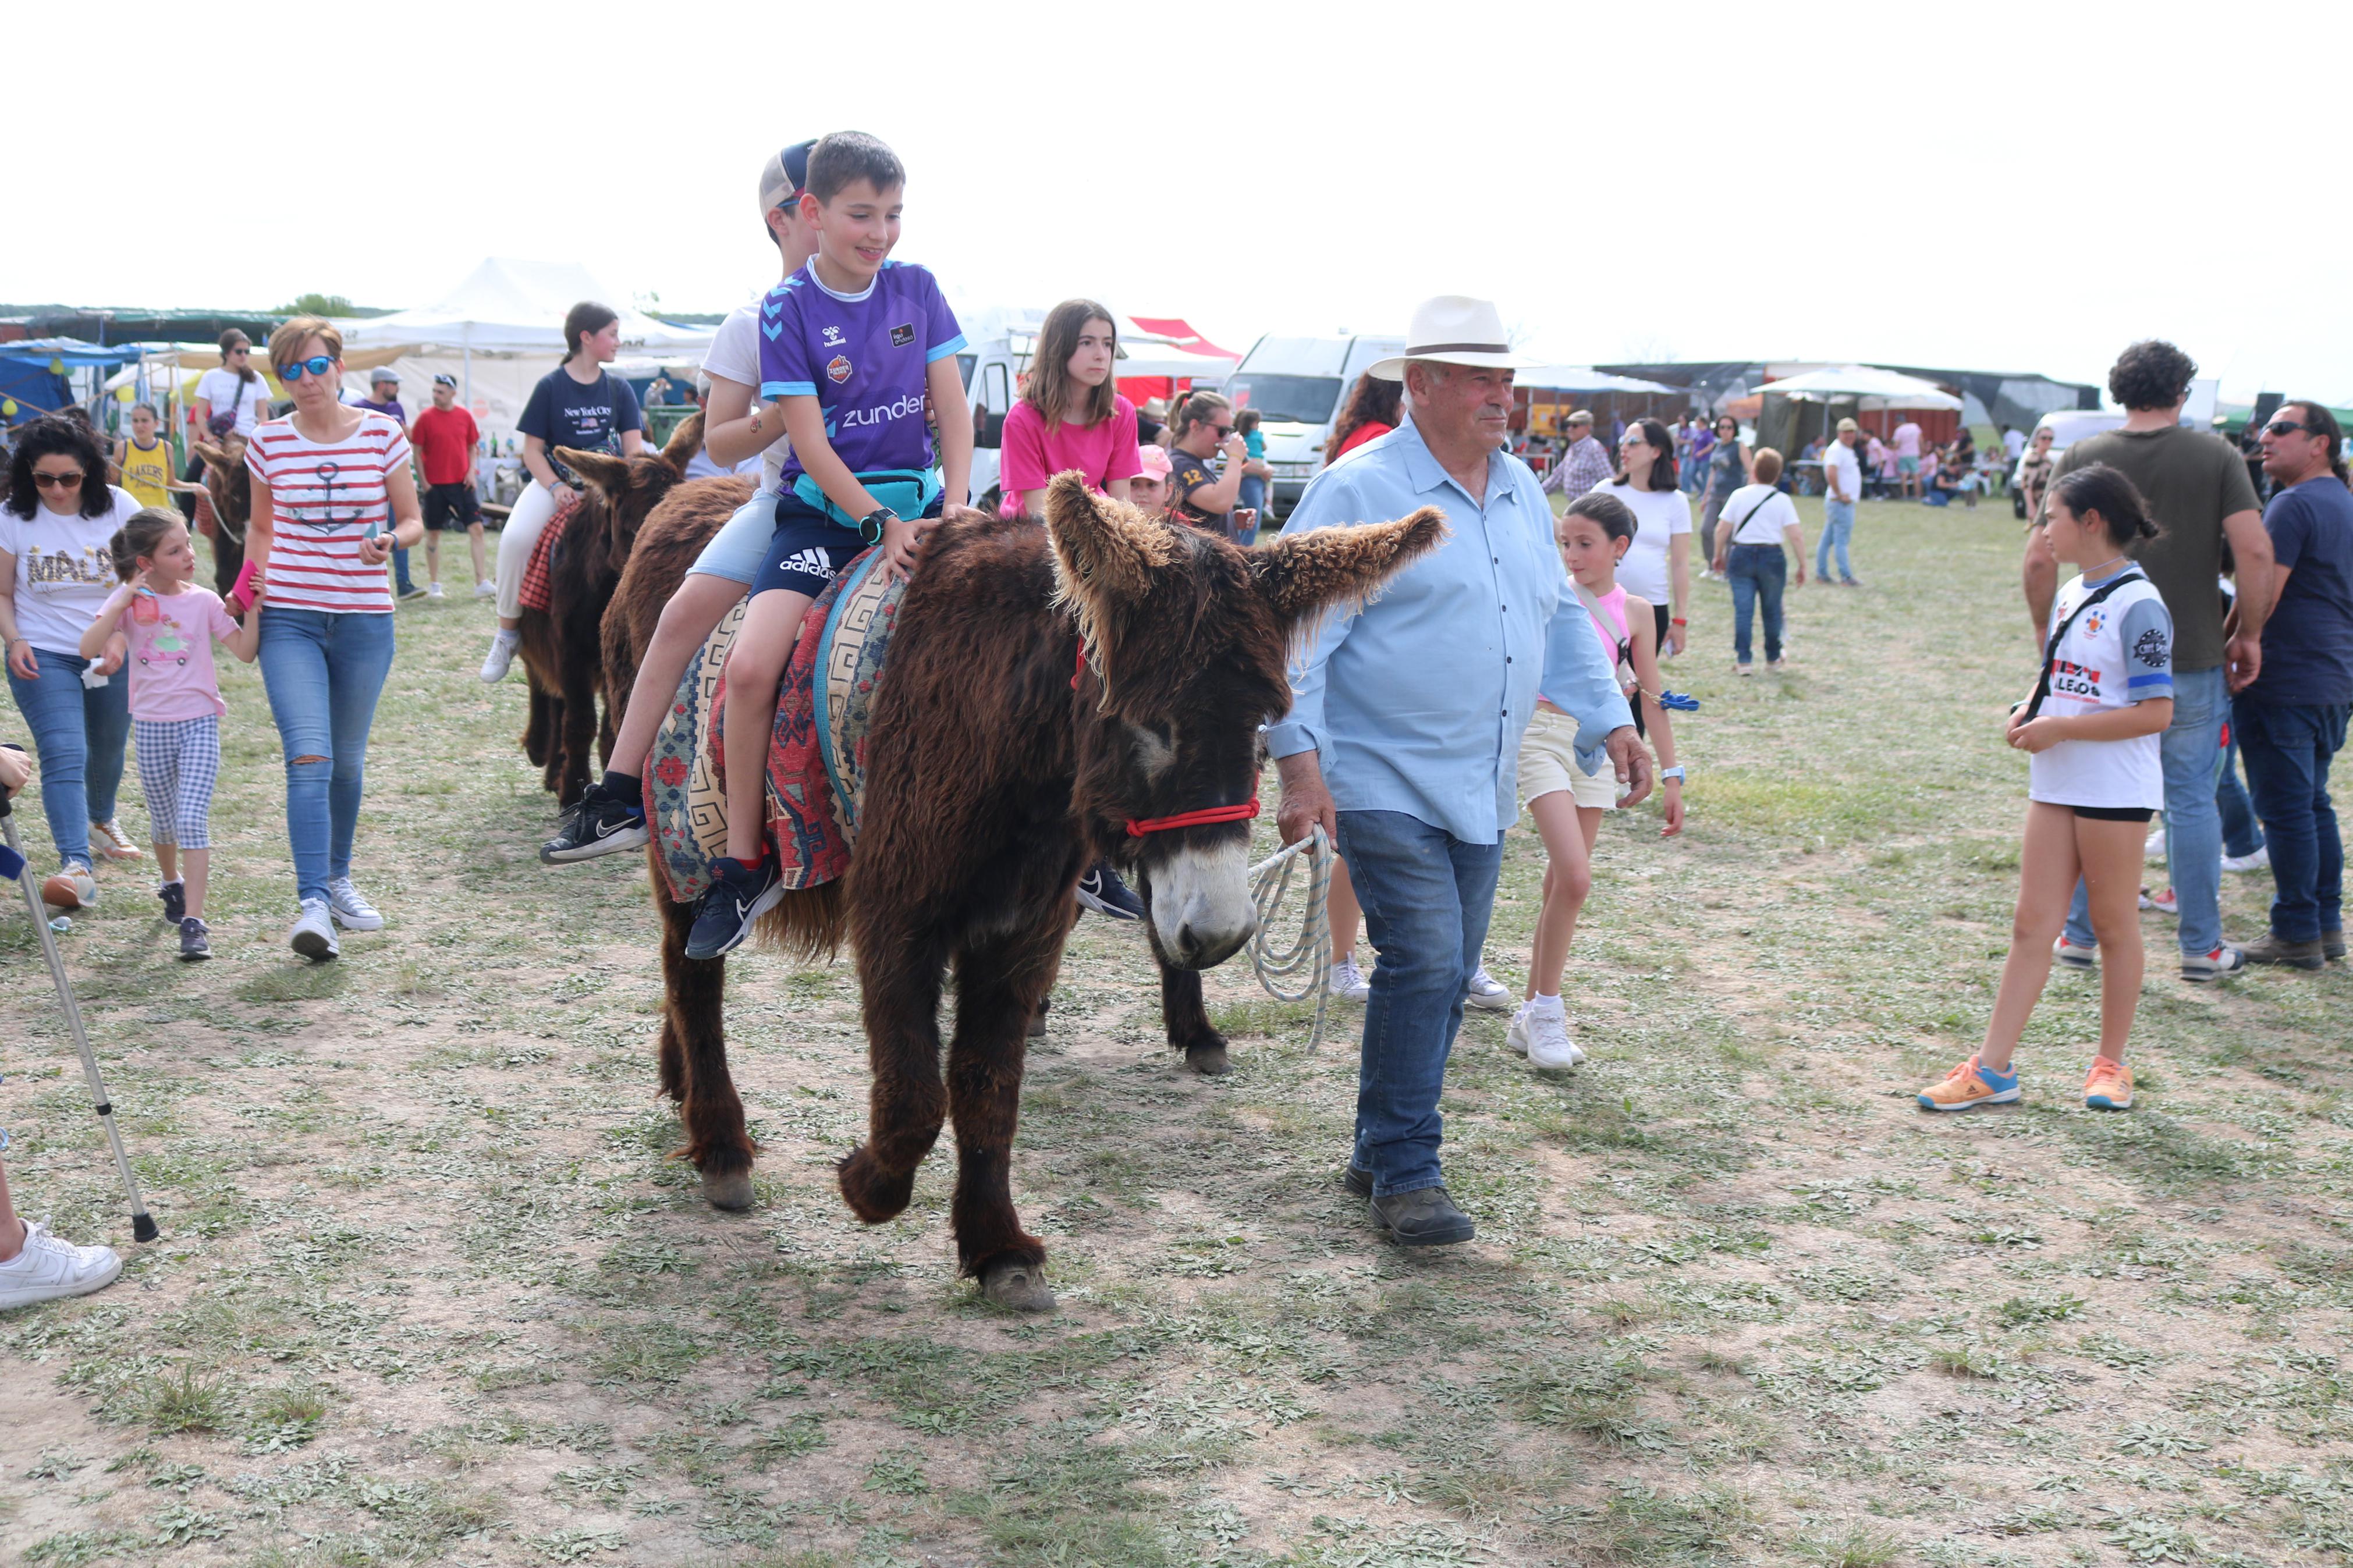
pixel 910 493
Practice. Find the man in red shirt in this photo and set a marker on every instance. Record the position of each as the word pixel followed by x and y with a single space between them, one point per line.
pixel 445 437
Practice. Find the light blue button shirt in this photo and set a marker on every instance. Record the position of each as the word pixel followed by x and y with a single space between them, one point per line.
pixel 1417 701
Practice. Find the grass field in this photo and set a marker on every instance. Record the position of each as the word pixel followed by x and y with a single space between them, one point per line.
pixel 430 1288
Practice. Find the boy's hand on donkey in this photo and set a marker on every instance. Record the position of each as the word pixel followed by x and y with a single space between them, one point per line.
pixel 903 541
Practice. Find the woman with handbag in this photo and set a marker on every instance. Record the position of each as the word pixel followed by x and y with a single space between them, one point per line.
pixel 1727 471
pixel 1757 518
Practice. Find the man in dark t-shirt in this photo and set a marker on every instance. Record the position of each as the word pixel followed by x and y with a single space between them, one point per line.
pixel 2197 490
pixel 2290 720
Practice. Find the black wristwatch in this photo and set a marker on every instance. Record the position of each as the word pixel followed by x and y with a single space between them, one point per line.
pixel 869 527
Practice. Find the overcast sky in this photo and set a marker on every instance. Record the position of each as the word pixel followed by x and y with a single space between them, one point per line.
pixel 1994 186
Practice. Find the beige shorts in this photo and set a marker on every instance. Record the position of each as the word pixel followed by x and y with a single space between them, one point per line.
pixel 1548 762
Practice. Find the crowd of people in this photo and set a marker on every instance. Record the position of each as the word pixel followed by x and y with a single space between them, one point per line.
pixel 1521 663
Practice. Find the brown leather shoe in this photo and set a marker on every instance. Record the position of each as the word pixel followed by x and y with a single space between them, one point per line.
pixel 2272 948
pixel 2332 942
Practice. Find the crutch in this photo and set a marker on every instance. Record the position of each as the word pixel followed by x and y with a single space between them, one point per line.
pixel 12 864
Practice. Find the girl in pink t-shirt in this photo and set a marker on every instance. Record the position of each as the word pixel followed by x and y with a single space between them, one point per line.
pixel 175 700
pixel 1070 415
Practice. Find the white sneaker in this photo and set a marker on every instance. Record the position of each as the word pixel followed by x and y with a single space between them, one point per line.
pixel 50 1268
pixel 433 591
pixel 502 652
pixel 1348 982
pixel 73 888
pixel 1543 1039
pixel 2152 849
pixel 1484 994
pixel 349 907
pixel 486 589
pixel 314 935
pixel 109 840
pixel 2260 860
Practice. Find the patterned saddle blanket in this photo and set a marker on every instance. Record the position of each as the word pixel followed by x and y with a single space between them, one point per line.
pixel 817 753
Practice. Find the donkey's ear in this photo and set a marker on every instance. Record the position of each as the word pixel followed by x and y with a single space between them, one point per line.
pixel 1104 551
pixel 684 442
pixel 213 456
pixel 1304 572
pixel 606 471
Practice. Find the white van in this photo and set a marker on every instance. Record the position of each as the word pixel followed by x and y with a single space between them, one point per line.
pixel 1298 386
pixel 998 343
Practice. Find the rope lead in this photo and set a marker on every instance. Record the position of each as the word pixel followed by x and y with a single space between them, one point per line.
pixel 1312 951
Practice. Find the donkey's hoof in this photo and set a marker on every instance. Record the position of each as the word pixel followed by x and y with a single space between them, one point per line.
pixel 1009 1282
pixel 1208 1060
pixel 731 1191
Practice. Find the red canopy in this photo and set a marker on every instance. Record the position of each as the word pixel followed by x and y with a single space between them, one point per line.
pixel 1179 329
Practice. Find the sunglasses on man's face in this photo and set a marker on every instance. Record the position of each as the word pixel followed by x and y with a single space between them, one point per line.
pixel 57 482
pixel 2287 427
pixel 317 364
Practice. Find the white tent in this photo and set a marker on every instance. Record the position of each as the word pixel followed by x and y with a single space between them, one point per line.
pixel 1874 389
pixel 1583 378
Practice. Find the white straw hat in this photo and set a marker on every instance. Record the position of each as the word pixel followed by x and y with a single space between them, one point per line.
pixel 1454 329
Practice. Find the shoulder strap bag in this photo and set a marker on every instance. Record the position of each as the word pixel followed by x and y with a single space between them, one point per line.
pixel 2051 651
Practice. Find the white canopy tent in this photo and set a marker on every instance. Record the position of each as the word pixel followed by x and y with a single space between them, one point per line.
pixel 1583 378
pixel 1874 389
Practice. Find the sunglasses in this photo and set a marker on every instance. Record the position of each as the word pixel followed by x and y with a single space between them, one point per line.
pixel 57 482
pixel 317 364
pixel 1223 430
pixel 2287 427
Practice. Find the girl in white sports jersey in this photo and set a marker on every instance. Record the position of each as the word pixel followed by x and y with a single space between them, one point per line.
pixel 2093 780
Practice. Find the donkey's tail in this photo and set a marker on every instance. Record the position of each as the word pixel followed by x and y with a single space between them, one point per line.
pixel 810 923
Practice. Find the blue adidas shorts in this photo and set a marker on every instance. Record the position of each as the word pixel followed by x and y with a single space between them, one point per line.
pixel 807 550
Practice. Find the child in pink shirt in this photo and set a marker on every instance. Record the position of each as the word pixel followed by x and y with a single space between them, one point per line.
pixel 1070 414
pixel 175 700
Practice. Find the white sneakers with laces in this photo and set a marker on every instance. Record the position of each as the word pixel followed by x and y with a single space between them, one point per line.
pixel 1542 1037
pixel 1484 994
pixel 109 840
pixel 48 1268
pixel 349 907
pixel 1348 982
pixel 314 935
pixel 501 655
pixel 486 589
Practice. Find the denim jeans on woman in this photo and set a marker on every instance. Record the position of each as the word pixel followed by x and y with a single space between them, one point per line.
pixel 2193 827
pixel 2288 749
pixel 1838 527
pixel 1426 897
pixel 78 732
pixel 1758 572
pixel 324 671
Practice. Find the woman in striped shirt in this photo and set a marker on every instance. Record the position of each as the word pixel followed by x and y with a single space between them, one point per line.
pixel 332 495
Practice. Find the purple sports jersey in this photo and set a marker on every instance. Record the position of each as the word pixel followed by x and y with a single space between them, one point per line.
pixel 864 360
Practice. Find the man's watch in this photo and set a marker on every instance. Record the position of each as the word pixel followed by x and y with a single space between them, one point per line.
pixel 1675 772
pixel 869 527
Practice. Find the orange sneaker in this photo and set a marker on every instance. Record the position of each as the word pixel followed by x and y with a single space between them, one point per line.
pixel 1970 1084
pixel 2109 1086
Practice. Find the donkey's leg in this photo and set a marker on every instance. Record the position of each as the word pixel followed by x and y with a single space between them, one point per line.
pixel 694 1061
pixel 539 728
pixel 580 722
pixel 1185 1017
pixel 899 982
pixel 1000 983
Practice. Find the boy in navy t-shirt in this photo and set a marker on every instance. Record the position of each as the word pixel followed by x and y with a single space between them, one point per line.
pixel 856 350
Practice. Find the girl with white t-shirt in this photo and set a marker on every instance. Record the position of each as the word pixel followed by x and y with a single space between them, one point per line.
pixel 332 495
pixel 611 812
pixel 1657 566
pixel 56 572
pixel 2094 780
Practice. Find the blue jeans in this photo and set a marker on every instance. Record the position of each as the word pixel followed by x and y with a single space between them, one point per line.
pixel 1426 897
pixel 2241 833
pixel 1838 527
pixel 1253 494
pixel 2288 750
pixel 2193 827
pixel 78 734
pixel 400 568
pixel 1758 572
pixel 324 672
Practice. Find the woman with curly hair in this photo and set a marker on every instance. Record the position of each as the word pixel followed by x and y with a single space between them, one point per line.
pixel 56 571
pixel 1375 407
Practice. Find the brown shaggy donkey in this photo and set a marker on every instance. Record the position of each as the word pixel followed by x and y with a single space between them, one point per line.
pixel 563 646
pixel 1000 763
pixel 228 485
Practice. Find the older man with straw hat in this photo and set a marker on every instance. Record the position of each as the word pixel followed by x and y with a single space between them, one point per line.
pixel 1404 732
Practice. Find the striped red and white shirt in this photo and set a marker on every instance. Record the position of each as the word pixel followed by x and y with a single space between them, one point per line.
pixel 323 496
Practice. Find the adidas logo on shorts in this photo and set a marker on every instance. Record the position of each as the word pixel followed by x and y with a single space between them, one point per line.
pixel 810 563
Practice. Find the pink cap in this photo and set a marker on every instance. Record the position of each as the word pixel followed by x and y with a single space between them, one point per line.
pixel 1154 460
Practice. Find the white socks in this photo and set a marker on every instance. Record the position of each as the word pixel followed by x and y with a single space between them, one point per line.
pixel 1542 1007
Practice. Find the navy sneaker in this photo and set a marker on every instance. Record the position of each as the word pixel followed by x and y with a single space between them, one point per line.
pixel 1102 891
pixel 738 895
pixel 175 900
pixel 602 823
